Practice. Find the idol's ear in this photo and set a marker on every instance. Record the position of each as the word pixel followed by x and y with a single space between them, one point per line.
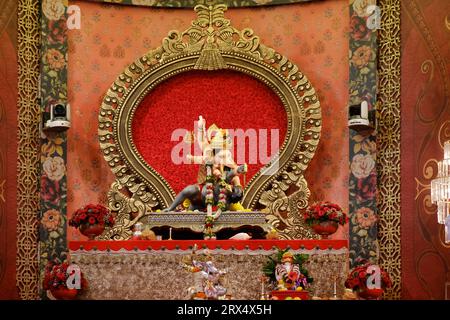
pixel 213 129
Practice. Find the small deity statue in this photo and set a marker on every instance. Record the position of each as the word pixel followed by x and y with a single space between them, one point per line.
pixel 288 274
pixel 218 182
pixel 208 280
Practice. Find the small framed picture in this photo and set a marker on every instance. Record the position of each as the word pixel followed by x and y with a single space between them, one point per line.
pixel 447 291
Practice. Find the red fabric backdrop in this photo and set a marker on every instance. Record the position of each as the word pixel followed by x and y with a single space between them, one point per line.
pixel 229 99
pixel 313 35
pixel 425 125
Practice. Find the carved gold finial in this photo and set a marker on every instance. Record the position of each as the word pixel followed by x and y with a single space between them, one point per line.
pixel 212 21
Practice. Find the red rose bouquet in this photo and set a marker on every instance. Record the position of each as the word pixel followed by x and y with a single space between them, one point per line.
pixel 55 280
pixel 92 215
pixel 358 280
pixel 325 211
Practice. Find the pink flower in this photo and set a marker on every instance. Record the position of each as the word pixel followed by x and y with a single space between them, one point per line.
pixel 362 56
pixel 57 29
pixel 358 28
pixel 361 7
pixel 51 220
pixel 54 168
pixel 362 165
pixel 50 190
pixel 365 217
pixel 367 187
pixel 55 59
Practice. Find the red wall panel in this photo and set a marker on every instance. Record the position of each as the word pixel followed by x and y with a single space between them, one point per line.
pixel 8 148
pixel 425 126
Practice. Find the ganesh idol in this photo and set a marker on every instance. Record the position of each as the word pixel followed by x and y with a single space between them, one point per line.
pixel 218 182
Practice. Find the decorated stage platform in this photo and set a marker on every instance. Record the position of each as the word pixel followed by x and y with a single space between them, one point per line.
pixel 144 269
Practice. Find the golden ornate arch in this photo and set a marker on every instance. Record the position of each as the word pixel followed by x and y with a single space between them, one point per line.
pixel 210 43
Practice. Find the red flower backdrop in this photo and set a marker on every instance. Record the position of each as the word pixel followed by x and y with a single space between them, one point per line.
pixel 177 103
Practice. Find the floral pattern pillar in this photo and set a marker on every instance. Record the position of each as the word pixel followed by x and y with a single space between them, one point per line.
pixel 363 151
pixel 52 228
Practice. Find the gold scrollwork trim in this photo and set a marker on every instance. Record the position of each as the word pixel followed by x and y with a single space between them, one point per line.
pixel 388 139
pixel 28 161
pixel 211 43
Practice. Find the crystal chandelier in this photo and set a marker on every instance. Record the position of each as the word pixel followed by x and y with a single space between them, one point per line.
pixel 440 191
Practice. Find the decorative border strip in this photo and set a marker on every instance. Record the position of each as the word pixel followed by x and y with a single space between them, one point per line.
pixel 28 160
pixel 362 186
pixel 246 252
pixel 388 140
pixel 130 245
pixel 53 151
pixel 193 3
